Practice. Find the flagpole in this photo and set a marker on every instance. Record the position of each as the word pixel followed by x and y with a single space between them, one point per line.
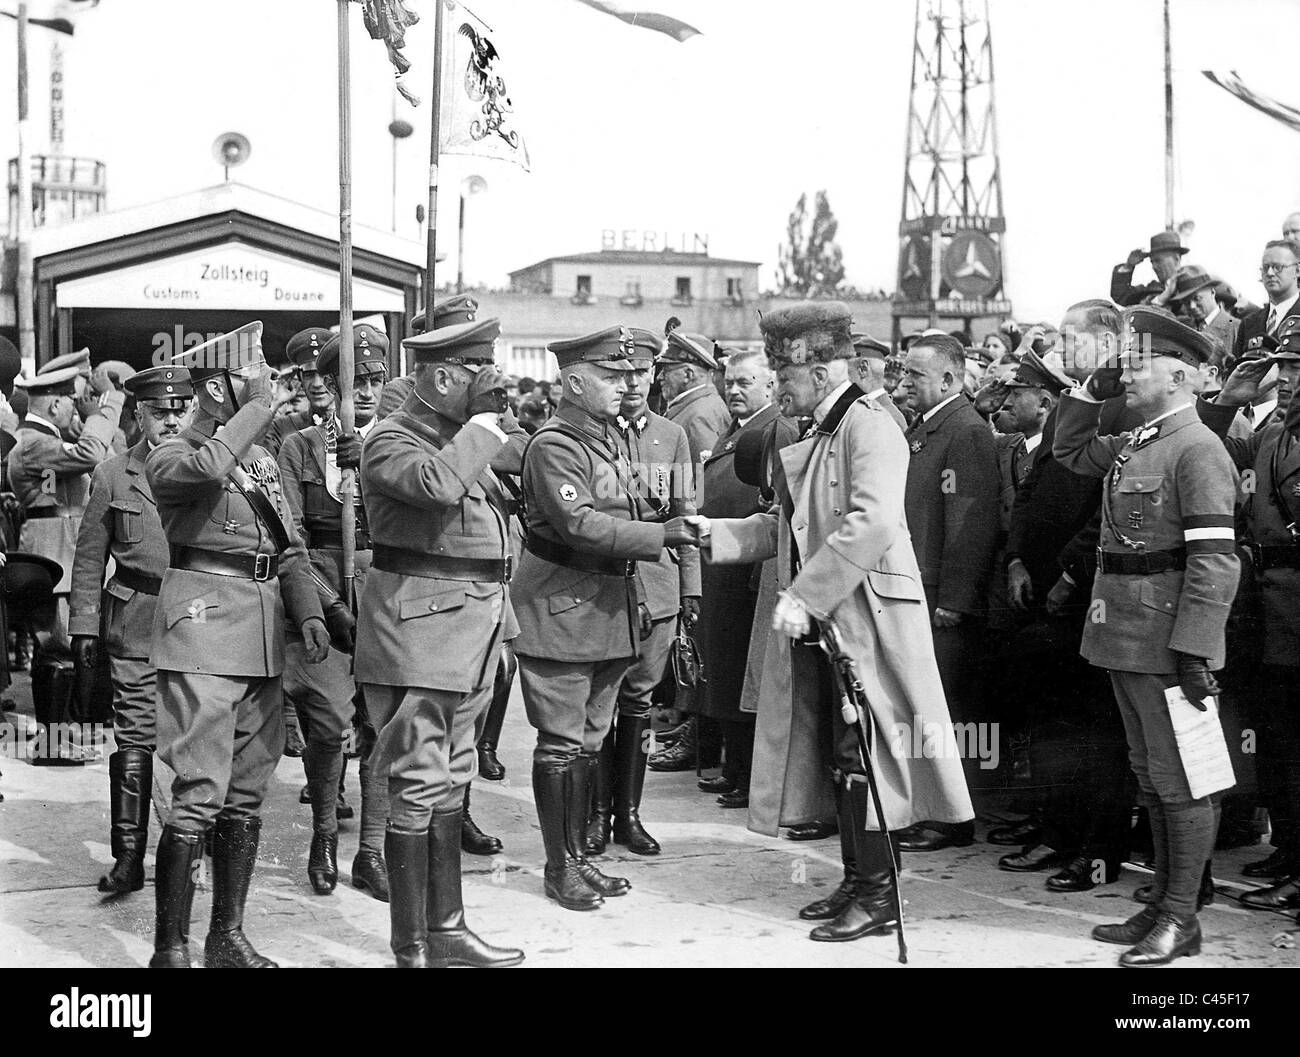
pixel 347 417
pixel 1169 128
pixel 23 297
pixel 431 256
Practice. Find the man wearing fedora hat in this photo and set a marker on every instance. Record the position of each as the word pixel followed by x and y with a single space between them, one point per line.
pixel 1165 254
pixel 1193 298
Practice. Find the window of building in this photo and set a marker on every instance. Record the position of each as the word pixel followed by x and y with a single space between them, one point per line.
pixel 584 286
pixel 734 290
pixel 683 288
pixel 632 296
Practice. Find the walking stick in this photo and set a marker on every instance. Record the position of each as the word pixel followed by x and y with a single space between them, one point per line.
pixel 853 707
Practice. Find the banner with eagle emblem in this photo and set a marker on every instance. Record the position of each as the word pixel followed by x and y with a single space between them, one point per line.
pixel 477 113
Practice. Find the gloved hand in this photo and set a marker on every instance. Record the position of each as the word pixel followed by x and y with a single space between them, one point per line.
pixel 690 612
pixel 258 384
pixel 316 638
pixel 1196 679
pixel 111 374
pixel 347 451
pixel 1020 589
pixel 1104 383
pixel 85 652
pixel 342 627
pixel 678 532
pixel 487 393
pixel 647 624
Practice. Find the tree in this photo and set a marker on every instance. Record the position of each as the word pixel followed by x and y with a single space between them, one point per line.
pixel 810 263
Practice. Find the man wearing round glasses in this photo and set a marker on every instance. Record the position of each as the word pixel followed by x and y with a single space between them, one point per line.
pixel 1278 275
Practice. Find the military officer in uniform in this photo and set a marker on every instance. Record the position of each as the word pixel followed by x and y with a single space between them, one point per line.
pixel 121 522
pixel 237 567
pixel 685 368
pixel 659 458
pixel 51 475
pixel 581 614
pixel 311 464
pixel 433 616
pixel 1271 456
pixel 1166 577
pixel 301 351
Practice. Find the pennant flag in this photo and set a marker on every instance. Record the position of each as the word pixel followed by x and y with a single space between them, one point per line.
pixel 58 15
pixel 388 20
pixel 477 115
pixel 660 23
pixel 1231 82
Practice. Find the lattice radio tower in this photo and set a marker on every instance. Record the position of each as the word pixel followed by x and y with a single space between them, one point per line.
pixel 950 256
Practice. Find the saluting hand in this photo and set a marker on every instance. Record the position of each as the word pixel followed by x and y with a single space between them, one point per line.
pixel 316 639
pixel 487 393
pixel 1246 382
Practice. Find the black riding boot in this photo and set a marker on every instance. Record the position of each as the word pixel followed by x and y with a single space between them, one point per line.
pixel 324 767
pixel 875 906
pixel 629 757
pixel 489 767
pixel 472 839
pixel 179 854
pixel 130 777
pixel 830 907
pixel 597 835
pixel 450 941
pixel 234 854
pixel 407 856
pixel 579 798
pixel 563 882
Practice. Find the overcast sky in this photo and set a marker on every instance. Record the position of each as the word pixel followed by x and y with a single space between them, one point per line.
pixel 630 129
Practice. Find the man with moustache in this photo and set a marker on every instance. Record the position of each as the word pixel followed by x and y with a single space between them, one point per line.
pixel 121 522
pixel 843 554
pixel 324 695
pixel 1272 456
pixel 237 569
pixel 659 459
pixel 1166 577
pixel 730 592
pixel 583 613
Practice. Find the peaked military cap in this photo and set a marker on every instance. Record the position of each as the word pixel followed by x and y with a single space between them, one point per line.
pixel 369 352
pixel 1033 372
pixel 455 310
pixel 681 347
pixel 80 360
pixel 1157 332
pixel 808 332
pixel 645 347
pixel 59 382
pixel 226 352
pixel 304 347
pixel 869 348
pixel 465 344
pixel 167 386
pixel 612 347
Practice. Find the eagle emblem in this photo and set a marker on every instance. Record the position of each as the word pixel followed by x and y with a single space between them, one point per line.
pixel 483 84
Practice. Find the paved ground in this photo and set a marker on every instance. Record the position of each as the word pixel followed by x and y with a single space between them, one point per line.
pixel 718 896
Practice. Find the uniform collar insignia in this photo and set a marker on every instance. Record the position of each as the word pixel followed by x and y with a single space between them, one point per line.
pixel 1145 436
pixel 638 424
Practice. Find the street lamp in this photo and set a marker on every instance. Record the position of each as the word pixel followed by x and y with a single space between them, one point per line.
pixel 399 130
pixel 470 186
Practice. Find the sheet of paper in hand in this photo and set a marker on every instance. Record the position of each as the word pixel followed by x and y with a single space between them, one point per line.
pixel 1201 745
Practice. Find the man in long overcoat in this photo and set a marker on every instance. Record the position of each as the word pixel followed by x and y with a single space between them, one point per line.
pixel 843 555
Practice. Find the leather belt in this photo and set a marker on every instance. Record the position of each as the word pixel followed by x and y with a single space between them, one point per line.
pixel 259 567
pixel 1144 563
pixel 560 554
pixel 441 566
pixel 332 539
pixel 138 581
pixel 42 511
pixel 1273 556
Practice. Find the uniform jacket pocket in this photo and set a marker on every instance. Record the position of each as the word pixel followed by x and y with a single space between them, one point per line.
pixel 580 591
pixel 437 602
pixel 128 520
pixel 1143 484
pixel 1158 598
pixel 197 610
pixel 895 585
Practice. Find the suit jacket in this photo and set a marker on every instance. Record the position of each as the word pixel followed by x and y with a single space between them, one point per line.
pixel 428 488
pixel 842 511
pixel 1270 461
pixel 727 495
pixel 660 457
pixel 1122 290
pixel 224 625
pixel 1170 491
pixel 48 473
pixel 121 521
pixel 1223 330
pixel 579 493
pixel 952 505
pixel 1253 327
